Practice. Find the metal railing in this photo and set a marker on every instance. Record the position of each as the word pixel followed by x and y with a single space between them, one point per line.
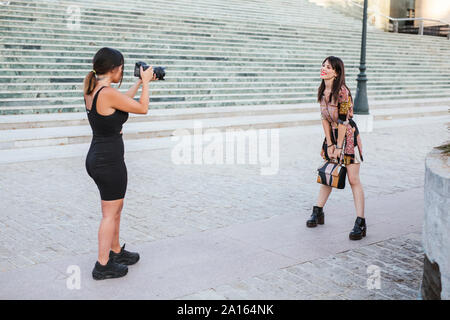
pixel 396 20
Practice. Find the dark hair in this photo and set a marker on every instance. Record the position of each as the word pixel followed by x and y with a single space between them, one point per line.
pixel 338 67
pixel 105 60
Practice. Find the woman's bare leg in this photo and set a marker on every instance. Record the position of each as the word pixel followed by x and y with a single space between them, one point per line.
pixel 115 246
pixel 357 189
pixel 324 193
pixel 107 228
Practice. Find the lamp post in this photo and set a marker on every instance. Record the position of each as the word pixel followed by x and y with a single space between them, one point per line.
pixel 361 107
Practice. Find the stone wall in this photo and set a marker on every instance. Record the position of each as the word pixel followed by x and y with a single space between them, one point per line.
pixel 435 9
pixel 436 227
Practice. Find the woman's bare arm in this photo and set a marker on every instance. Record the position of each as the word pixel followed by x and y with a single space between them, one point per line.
pixel 123 102
pixel 327 129
pixel 134 89
pixel 341 134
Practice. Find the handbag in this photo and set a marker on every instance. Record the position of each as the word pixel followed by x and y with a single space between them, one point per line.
pixel 332 173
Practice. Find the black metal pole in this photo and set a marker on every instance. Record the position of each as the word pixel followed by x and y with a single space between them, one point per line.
pixel 361 103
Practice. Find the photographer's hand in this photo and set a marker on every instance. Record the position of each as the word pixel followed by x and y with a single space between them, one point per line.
pixel 147 75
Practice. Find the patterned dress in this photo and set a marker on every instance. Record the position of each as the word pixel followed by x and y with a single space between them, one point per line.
pixel 341 112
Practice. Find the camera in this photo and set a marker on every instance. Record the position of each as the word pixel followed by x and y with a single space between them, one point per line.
pixel 158 71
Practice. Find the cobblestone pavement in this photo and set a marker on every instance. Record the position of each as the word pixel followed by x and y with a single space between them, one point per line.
pixel 343 276
pixel 51 208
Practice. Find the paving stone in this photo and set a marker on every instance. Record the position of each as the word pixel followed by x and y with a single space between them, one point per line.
pixel 332 278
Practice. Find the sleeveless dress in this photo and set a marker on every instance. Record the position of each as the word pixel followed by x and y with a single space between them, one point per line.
pixel 105 159
pixel 342 112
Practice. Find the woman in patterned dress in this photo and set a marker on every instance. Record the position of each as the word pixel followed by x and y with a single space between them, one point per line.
pixel 341 135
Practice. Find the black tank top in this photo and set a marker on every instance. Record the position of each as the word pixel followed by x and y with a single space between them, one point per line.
pixel 105 126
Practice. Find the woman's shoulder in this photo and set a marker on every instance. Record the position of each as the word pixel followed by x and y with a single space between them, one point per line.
pixel 344 89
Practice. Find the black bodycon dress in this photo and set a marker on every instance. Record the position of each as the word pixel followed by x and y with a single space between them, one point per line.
pixel 105 160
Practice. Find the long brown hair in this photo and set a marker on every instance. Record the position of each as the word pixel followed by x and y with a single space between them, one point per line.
pixel 105 60
pixel 338 66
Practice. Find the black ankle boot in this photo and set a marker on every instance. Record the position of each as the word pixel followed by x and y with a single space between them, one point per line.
pixel 124 257
pixel 317 217
pixel 110 270
pixel 359 229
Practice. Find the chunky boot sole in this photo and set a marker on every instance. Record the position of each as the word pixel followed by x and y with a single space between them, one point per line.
pixel 357 236
pixel 313 224
pixel 321 220
pixel 97 275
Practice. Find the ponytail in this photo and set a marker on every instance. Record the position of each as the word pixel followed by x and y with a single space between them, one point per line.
pixel 90 81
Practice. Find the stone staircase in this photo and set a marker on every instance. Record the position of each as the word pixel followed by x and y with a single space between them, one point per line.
pixel 231 63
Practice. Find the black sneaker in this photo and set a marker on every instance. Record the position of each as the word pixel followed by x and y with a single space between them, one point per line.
pixel 110 270
pixel 124 257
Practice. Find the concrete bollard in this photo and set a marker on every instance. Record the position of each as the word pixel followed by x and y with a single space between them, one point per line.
pixel 436 227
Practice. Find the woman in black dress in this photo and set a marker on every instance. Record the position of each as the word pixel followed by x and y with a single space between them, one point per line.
pixel 107 110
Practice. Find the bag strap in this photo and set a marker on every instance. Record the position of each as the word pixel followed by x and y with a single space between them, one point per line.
pixel 341 157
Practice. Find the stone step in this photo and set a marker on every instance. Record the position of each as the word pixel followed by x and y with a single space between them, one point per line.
pixel 23 87
pixel 309 9
pixel 213 54
pixel 237 94
pixel 79 118
pixel 306 60
pixel 283 30
pixel 304 57
pixel 75 36
pixel 199 103
pixel 167 35
pixel 255 76
pixel 155 21
pixel 160 7
pixel 23 138
pixel 207 74
pixel 376 66
pixel 160 34
pixel 160 37
pixel 208 100
pixel 309 20
pixel 297 68
pixel 8 24
pixel 163 91
pixel 214 9
pixel 316 53
pixel 196 84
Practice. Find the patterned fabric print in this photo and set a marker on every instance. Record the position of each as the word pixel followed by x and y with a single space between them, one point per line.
pixel 329 112
pixel 350 143
pixel 346 108
pixel 342 112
